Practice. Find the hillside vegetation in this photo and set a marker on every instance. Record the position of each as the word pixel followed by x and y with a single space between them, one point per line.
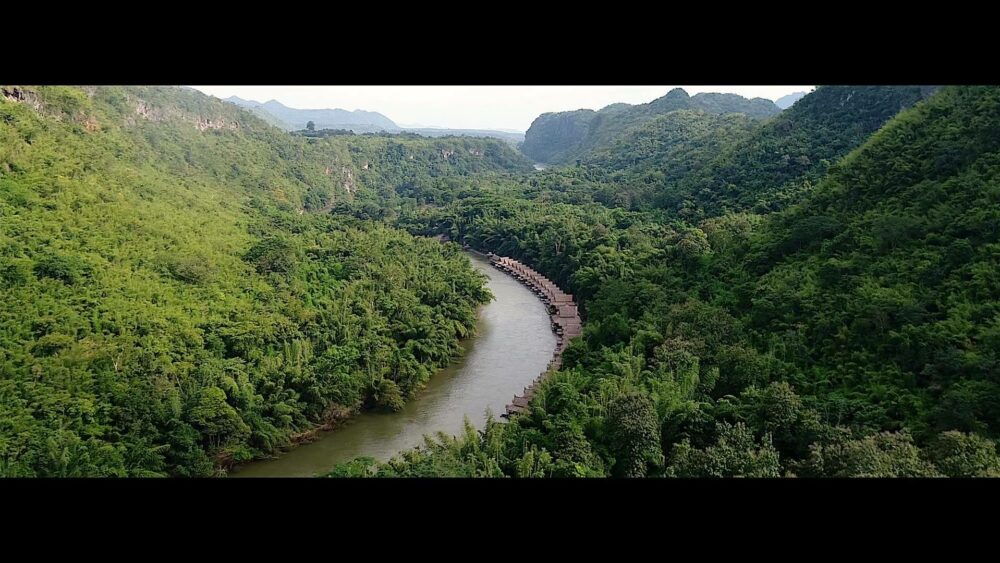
pixel 813 294
pixel 695 165
pixel 853 334
pixel 560 138
pixel 178 297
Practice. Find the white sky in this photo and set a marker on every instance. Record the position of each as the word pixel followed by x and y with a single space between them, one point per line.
pixel 473 107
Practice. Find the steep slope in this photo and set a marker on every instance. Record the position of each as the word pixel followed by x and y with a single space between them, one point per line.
pixel 558 138
pixel 772 167
pixel 175 296
pixel 704 166
pixel 650 161
pixel 889 271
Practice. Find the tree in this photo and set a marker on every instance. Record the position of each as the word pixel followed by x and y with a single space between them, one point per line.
pixel 216 418
pixel 964 455
pixel 735 454
pixel 886 454
pixel 311 126
pixel 273 254
pixel 635 435
pixel 778 411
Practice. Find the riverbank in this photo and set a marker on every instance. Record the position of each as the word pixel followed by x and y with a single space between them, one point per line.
pixel 484 377
pixel 333 418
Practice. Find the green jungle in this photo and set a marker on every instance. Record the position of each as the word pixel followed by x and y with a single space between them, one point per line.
pixel 808 292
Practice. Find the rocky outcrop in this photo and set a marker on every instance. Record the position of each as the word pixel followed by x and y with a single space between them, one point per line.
pixel 19 95
pixel 145 111
pixel 149 112
pixel 349 185
pixel 204 124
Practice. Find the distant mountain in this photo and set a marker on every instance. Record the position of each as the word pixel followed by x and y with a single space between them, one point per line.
pixel 241 102
pixel 558 138
pixel 257 109
pixel 786 102
pixel 358 121
pixel 293 119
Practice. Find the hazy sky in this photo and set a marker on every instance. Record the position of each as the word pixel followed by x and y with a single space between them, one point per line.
pixel 472 107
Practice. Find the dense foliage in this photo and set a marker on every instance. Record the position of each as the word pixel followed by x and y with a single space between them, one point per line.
pixel 811 295
pixel 176 298
pixel 695 165
pixel 854 333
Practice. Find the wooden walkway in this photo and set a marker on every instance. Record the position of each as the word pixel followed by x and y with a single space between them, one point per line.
pixel 563 313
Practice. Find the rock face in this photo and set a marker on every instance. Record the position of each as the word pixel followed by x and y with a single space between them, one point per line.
pixel 143 110
pixel 204 124
pixel 21 96
pixel 554 137
pixel 349 185
pixel 150 112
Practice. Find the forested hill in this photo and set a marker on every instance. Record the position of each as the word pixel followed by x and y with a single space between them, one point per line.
pixel 559 138
pixel 697 165
pixel 811 294
pixel 889 272
pixel 853 334
pixel 176 296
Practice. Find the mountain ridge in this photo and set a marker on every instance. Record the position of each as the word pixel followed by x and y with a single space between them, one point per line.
pixel 561 137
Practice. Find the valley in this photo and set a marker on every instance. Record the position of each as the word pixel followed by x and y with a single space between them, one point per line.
pixel 799 291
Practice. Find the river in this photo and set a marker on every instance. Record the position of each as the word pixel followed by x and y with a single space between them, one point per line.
pixel 513 344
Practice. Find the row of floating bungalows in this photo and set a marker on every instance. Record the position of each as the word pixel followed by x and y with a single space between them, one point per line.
pixel 563 312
